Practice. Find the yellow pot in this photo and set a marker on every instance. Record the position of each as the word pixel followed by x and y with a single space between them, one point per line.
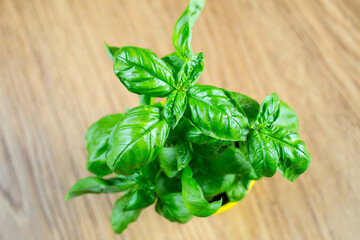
pixel 229 205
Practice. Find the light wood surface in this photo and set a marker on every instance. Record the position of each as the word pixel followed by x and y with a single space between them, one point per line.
pixel 55 80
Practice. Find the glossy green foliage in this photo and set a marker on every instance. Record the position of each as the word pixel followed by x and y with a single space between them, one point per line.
pixel 194 198
pixel 288 118
pixel 190 71
pixel 168 161
pixel 210 150
pixel 120 217
pixel 216 113
pixel 165 185
pixel 142 72
pixel 142 133
pixel 141 198
pixel 187 151
pixel 174 159
pixel 294 158
pixel 214 185
pixel 110 50
pixel 98 185
pixel 173 208
pixel 188 132
pixel 263 153
pixel 269 110
pixel 249 106
pixel 272 146
pixel 238 189
pixel 232 161
pixel 183 28
pixel 175 107
pixel 174 60
pixel 97 139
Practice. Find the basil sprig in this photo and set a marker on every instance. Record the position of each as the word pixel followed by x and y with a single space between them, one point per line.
pixel 200 148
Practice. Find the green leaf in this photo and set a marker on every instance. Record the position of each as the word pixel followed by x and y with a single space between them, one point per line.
pixel 174 159
pixel 287 118
pixel 183 28
pixel 253 175
pixel 194 198
pixel 294 159
pixel 147 173
pixel 174 60
pixel 263 153
pixel 120 217
pixel 165 185
pixel 175 107
pixel 111 51
pixel 210 150
pixel 188 132
pixel 183 155
pixel 168 161
pixel 238 189
pixel 249 105
pixel 173 208
pixel 141 198
pixel 98 185
pixel 97 139
pixel 136 140
pixel 231 161
pixel 216 113
pixel 142 72
pixel 191 71
pixel 212 184
pixel 269 110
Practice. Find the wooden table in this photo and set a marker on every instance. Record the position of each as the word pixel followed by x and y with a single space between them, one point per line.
pixel 56 80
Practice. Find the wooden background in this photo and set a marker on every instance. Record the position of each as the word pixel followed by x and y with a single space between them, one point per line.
pixel 56 80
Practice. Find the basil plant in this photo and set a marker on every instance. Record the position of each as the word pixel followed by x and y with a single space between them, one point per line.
pixel 195 151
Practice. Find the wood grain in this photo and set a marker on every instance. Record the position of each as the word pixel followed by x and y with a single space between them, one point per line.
pixel 55 80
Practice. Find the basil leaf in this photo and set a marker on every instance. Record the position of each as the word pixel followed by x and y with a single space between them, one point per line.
pixel 175 107
pixel 97 138
pixel 174 159
pixel 194 198
pixel 231 161
pixel 216 113
pixel 183 155
pixel 147 173
pixel 253 175
pixel 212 184
pixel 120 217
pixel 269 110
pixel 168 161
pixel 263 153
pixel 173 208
pixel 174 60
pixel 191 71
pixel 111 51
pixel 238 189
pixel 141 198
pixel 142 133
pixel 294 157
pixel 287 118
pixel 187 131
pixel 98 185
pixel 165 185
pixel 142 72
pixel 183 28
pixel 249 105
pixel 210 150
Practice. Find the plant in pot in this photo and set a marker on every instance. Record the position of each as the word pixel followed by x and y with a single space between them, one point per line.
pixel 192 154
